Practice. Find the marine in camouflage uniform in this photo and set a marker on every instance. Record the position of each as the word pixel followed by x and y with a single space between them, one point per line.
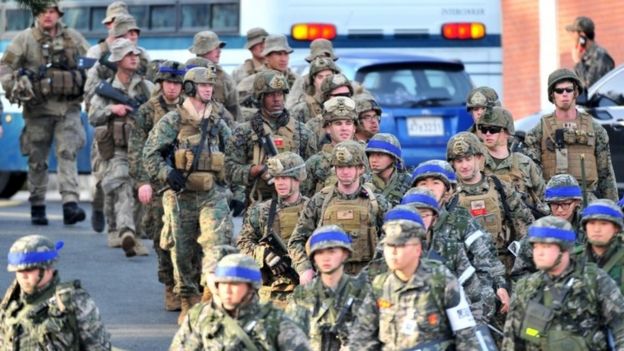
pixel 348 203
pixel 288 171
pixel 241 324
pixel 311 104
pixel 494 203
pixel 271 127
pixel 253 65
pixel 47 314
pixel 113 122
pixel 369 117
pixel 389 176
pixel 169 76
pixel 568 304
pixel 196 213
pixel 339 121
pixel 594 61
pixel 418 303
pixel 561 139
pixel 51 108
pixel 477 102
pixel 325 308
pixel 563 195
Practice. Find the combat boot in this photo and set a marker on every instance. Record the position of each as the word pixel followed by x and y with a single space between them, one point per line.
pixel 185 305
pixel 38 215
pixel 140 249
pixel 72 214
pixel 113 239
pixel 172 301
pixel 98 221
pixel 128 243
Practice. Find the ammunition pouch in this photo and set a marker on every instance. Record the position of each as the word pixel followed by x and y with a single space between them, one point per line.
pixel 329 339
pixel 57 82
pixel 207 162
pixel 105 143
pixel 535 323
pixel 563 340
pixel 200 181
pixel 121 132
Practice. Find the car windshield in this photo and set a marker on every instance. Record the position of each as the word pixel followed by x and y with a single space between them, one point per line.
pixel 416 85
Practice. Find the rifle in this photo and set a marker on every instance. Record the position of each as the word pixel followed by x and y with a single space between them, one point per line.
pixel 105 89
pixel 507 211
pixel 203 127
pixel 106 63
pixel 583 180
pixel 329 335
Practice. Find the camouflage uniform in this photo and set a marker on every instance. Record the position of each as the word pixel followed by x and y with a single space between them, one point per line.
pixel 276 287
pixel 400 179
pixel 596 61
pixel 413 314
pixel 66 318
pixel 325 314
pixel 196 217
pixel 311 104
pixel 252 326
pixel 360 214
pixel 251 66
pixel 583 136
pixel 244 149
pixel 111 134
pixel 51 110
pixel 582 301
pixel 365 102
pixel 481 97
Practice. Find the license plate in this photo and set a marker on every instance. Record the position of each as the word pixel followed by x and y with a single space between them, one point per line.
pixel 425 126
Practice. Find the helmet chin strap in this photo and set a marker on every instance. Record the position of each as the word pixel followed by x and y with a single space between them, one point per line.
pixel 291 190
pixel 556 263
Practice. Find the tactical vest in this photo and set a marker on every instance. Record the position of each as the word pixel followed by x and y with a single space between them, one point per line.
pixel 211 164
pixel 159 107
pixel 313 106
pixel 356 217
pixel 283 138
pixel 578 140
pixel 513 176
pixel 286 220
pixel 485 208
pixel 330 178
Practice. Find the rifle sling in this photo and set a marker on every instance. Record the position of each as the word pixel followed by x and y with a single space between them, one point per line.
pixel 233 325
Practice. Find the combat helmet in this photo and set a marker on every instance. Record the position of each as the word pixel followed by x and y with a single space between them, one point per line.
pixel 421 197
pixel 37 7
pixel 328 236
pixel 366 102
pixel 604 209
pixel 385 143
pixel 287 164
pixel 171 71
pixel 482 97
pixel 238 268
pixel 338 108
pixel 32 251
pixel 552 229
pixel 348 153
pixel 562 187
pixel 318 65
pixel 332 82
pixel 269 81
pixel 401 224
pixel 559 75
pixel 500 117
pixel 209 262
pixel 198 75
pixel 463 144
pixel 438 169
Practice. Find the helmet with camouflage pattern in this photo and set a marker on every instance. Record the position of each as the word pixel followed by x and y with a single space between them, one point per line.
pixel 559 75
pixel 482 97
pixel 320 64
pixel 269 81
pixel 328 236
pixel 348 153
pixel 287 164
pixel 200 75
pixel 39 7
pixel 421 197
pixel 438 169
pixel 401 224
pixel 366 102
pixel 498 116
pixel 385 143
pixel 338 108
pixel 209 262
pixel 171 71
pixel 551 229
pixel 603 209
pixel 463 144
pixel 32 251
pixel 238 268
pixel 321 48
pixel 123 24
pixel 333 82
pixel 562 187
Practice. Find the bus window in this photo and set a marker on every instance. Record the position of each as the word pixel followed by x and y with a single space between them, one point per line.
pixel 225 17
pixel 77 18
pixel 195 16
pixel 162 17
pixel 97 16
pixel 140 15
pixel 17 19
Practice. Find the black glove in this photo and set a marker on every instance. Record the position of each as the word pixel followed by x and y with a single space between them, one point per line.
pixel 237 207
pixel 275 263
pixel 176 180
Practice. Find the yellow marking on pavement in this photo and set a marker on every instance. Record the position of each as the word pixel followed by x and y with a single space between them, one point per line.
pixel 10 203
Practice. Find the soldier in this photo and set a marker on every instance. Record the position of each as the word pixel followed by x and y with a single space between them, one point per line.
pixel 339 117
pixel 478 100
pixel 209 265
pixel 236 320
pixel 253 65
pixel 568 304
pixel 169 77
pixel 319 48
pixel 389 176
pixel 418 303
pixel 325 308
pixel 206 44
pixel 591 61
pixel 196 214
pixel 567 138
pixel 271 130
pixel 51 106
pixel 497 129
pixel 495 204
pixel 38 311
pixel 276 217
pixel 369 117
pixel 603 223
pixel 311 104
pixel 348 203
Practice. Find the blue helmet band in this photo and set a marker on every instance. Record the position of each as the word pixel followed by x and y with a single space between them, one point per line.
pixel 563 191
pixel 329 236
pixel 549 232
pixel 238 272
pixel 26 258
pixel 383 145
pixel 420 198
pixel 173 71
pixel 601 210
pixel 424 169
pixel 404 215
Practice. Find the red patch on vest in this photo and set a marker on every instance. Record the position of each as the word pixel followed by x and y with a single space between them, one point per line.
pixel 279 142
pixel 477 208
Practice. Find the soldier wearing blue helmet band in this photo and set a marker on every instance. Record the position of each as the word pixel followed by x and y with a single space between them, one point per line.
pixel 389 176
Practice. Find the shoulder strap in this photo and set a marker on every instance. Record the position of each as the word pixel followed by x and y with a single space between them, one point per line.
pixel 503 197
pixel 613 261
pixel 233 325
pixel 272 212
pixel 372 197
pixel 326 200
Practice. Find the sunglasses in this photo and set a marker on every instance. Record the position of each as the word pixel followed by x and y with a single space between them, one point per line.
pixel 490 129
pixel 562 205
pixel 341 94
pixel 561 90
